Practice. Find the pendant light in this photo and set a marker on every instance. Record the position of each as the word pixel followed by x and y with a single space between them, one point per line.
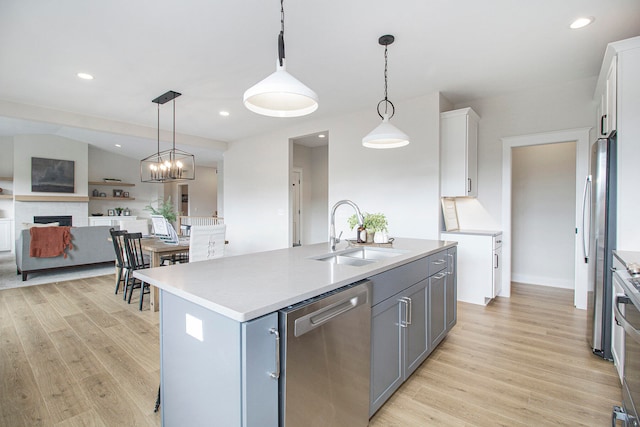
pixel 385 135
pixel 169 165
pixel 281 94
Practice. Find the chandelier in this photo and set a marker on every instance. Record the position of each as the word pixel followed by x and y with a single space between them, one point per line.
pixel 172 164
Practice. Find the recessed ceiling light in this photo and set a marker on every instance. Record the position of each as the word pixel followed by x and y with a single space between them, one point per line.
pixel 581 22
pixel 118 145
pixel 224 113
pixel 85 76
pixel 322 135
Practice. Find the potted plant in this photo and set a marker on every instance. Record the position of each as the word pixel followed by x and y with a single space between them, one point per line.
pixel 165 208
pixel 118 211
pixel 374 224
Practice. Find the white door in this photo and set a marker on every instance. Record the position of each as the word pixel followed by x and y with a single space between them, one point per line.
pixel 296 208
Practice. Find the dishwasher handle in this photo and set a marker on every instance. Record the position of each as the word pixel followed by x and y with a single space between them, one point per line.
pixel 318 318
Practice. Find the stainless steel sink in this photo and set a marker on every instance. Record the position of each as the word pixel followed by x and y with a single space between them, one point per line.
pixel 359 256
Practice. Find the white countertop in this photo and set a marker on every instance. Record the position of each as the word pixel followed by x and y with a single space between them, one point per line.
pixel 249 286
pixel 493 233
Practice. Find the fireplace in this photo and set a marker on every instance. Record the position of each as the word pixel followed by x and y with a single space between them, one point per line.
pixel 62 219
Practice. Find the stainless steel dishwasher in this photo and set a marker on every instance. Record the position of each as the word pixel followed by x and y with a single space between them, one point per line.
pixel 326 359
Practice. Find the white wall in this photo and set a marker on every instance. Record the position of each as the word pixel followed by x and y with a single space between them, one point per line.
pixel 543 214
pixel 537 110
pixel 402 183
pixel 6 170
pixel 203 192
pixel 53 147
pixel 104 164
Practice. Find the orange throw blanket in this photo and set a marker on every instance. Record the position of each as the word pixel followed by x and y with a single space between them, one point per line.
pixel 48 242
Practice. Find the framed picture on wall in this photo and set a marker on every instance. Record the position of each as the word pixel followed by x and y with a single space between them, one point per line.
pixel 111 212
pixel 125 194
pixel 52 175
pixel 117 193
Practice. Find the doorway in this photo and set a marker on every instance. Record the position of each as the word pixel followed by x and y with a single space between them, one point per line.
pixel 581 138
pixel 296 208
pixel 309 199
pixel 183 194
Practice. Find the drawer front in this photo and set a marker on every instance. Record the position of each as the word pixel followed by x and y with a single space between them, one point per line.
pixel 437 262
pixel 391 282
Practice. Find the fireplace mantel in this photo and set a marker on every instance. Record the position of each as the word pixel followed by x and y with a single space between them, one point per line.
pixel 30 198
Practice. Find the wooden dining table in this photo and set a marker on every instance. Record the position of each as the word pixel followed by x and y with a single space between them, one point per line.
pixel 157 249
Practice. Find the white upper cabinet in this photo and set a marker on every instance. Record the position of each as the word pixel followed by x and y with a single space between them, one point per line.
pixel 459 153
pixel 607 120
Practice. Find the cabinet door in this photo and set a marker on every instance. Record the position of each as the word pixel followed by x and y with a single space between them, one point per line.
pixel 386 349
pixel 610 111
pixel 437 308
pixel 260 368
pixel 617 333
pixel 5 235
pixel 451 294
pixel 459 151
pixel 497 272
pixel 415 322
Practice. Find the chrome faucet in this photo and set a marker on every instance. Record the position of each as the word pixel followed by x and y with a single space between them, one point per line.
pixel 333 240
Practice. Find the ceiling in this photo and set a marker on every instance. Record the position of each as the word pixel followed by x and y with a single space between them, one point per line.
pixel 212 51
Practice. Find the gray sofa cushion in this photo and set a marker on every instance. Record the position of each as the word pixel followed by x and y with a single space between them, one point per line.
pixel 90 246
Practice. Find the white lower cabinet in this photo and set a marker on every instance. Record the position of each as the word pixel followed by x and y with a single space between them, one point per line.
pixel 479 264
pixel 617 331
pixel 6 225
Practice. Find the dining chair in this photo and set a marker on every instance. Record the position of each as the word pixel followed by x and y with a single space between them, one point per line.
pixel 137 261
pixel 122 264
pixel 206 242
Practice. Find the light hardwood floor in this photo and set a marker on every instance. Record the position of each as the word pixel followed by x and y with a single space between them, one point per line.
pixel 74 354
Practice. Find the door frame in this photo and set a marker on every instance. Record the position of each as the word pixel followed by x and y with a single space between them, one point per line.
pixel 582 140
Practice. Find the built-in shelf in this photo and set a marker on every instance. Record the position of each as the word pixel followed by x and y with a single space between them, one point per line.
pixel 112 198
pixel 6 178
pixel 112 183
pixel 29 198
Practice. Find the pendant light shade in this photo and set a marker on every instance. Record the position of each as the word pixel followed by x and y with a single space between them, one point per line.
pixel 385 135
pixel 169 165
pixel 281 94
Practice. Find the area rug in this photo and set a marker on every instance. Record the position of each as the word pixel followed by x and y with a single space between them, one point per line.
pixel 9 278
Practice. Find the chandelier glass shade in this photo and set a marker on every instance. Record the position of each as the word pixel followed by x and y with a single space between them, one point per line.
pixel 172 164
pixel 385 135
pixel 280 94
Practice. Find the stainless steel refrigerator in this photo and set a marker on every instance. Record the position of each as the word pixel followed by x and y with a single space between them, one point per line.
pixel 599 211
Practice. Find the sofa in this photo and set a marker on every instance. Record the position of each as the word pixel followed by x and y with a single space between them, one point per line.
pixel 91 245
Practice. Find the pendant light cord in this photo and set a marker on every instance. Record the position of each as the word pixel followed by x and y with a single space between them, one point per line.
pixel 158 133
pixel 386 99
pixel 281 35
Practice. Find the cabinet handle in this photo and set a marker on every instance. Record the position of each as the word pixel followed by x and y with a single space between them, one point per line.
pixel 439 262
pixel 602 119
pixel 407 312
pixel 450 269
pixel 497 260
pixel 440 276
pixel 275 375
pixel 469 182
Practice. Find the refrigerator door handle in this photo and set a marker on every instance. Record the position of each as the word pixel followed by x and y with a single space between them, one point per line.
pixel 586 206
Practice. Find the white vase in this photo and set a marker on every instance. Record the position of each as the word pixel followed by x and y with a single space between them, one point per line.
pixel 380 237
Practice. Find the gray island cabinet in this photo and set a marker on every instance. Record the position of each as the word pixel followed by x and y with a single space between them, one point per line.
pixel 220 339
pixel 414 306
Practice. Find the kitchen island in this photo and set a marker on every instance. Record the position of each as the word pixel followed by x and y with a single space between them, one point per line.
pixel 219 323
